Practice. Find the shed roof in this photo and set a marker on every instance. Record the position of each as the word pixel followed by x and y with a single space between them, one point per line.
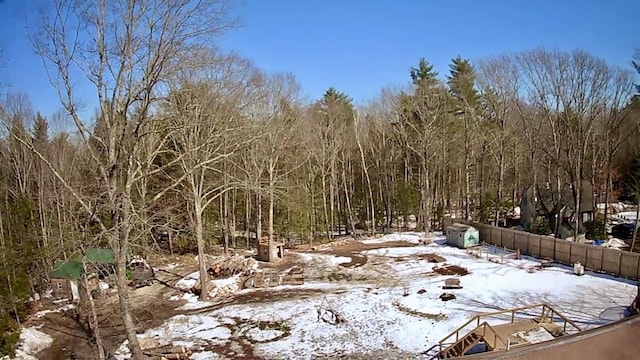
pixel 67 270
pixel 459 227
pixel 73 269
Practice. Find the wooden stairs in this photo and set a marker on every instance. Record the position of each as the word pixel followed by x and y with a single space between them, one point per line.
pixel 500 337
pixel 463 345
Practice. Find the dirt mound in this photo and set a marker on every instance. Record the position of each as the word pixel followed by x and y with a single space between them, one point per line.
pixel 433 258
pixel 451 270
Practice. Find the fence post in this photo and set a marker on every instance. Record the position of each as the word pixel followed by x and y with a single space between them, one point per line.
pixel 619 264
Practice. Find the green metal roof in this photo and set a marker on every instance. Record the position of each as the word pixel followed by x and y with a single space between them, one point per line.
pixel 98 255
pixel 67 270
pixel 72 268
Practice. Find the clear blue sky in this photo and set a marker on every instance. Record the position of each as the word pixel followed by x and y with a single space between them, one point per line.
pixel 361 46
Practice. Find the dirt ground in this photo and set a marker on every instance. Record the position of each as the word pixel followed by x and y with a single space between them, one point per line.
pixel 151 306
pixel 71 339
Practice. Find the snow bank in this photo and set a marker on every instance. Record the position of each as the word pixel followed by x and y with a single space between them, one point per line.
pixel 410 237
pixel 326 259
pixel 188 281
pixel 32 342
pixel 629 216
pixel 42 313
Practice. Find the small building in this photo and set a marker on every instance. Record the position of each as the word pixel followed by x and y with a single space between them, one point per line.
pixel 276 253
pixel 462 236
pixel 66 276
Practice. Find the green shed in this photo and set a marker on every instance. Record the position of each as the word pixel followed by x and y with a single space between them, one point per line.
pixel 462 236
pixel 66 275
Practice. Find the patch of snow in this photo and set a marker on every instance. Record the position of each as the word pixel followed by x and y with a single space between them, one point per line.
pixel 170 266
pixel 192 302
pixel 313 259
pixel 184 330
pixel 410 237
pixel 204 355
pixel 337 260
pixel 256 334
pixel 42 313
pixel 230 283
pixel 188 281
pixel 380 317
pixel 32 342
pixel 103 285
pixel 614 243
pixel 535 336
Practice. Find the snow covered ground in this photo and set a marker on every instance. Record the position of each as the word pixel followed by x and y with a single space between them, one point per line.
pixel 391 303
pixel 31 342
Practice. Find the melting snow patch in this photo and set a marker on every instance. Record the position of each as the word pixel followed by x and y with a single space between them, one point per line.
pixel 320 259
pixel 534 336
pixel 188 281
pixel 410 237
pixel 42 313
pixel 204 355
pixel 259 335
pixel 32 342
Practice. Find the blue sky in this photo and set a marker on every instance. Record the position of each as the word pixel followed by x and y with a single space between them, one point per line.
pixel 361 46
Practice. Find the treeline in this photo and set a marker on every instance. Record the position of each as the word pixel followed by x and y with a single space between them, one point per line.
pixel 190 147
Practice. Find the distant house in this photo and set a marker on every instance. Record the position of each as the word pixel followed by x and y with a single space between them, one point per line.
pixel 462 236
pixel 66 276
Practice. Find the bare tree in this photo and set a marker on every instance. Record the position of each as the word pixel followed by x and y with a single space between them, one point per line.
pixel 125 49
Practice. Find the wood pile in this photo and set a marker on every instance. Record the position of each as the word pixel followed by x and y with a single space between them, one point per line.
pixel 227 266
pixel 168 352
pixel 451 270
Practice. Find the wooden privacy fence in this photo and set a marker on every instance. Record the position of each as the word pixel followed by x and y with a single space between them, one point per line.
pixel 615 262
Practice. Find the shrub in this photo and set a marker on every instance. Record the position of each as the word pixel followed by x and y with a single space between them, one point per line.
pixel 595 230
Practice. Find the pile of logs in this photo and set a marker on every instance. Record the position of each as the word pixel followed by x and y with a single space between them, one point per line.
pixel 227 266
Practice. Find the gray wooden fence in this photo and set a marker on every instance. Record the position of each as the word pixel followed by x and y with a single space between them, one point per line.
pixel 615 262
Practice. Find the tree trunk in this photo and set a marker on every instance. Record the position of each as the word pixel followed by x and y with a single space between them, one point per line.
pixel 327 223
pixel 125 306
pixel 259 216
pixel 247 219
pixel 606 197
pixel 270 241
pixel 95 328
pixel 635 227
pixel 500 185
pixel 348 202
pixel 202 259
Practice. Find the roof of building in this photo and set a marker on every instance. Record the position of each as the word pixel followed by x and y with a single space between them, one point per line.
pixel 460 227
pixel 73 269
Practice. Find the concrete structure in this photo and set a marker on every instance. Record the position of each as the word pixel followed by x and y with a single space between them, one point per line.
pixel 462 236
pixel 275 254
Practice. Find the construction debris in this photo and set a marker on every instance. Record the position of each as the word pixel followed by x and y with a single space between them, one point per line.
pixel 451 270
pixel 328 314
pixel 432 258
pixel 447 297
pixel 271 278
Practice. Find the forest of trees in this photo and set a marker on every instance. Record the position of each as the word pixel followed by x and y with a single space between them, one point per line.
pixel 202 147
